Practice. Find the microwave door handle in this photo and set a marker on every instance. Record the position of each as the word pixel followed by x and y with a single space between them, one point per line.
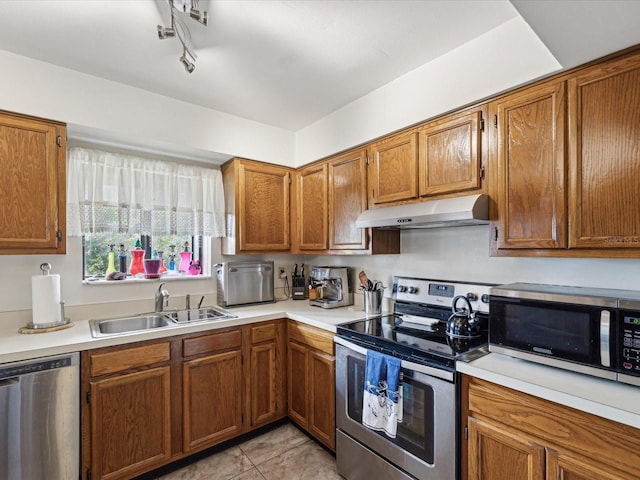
pixel 605 337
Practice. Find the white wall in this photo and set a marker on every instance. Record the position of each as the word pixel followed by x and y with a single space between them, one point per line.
pixel 137 116
pixel 509 55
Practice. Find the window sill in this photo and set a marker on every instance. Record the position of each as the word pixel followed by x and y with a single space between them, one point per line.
pixel 168 278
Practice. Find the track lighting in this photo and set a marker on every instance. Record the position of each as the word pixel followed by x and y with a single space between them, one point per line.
pixel 188 65
pixel 165 32
pixel 180 30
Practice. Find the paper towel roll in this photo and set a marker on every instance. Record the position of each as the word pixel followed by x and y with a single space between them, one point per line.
pixel 45 299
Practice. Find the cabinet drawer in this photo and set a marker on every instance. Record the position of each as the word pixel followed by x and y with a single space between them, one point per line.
pixel 262 332
pixel 124 359
pixel 311 336
pixel 214 342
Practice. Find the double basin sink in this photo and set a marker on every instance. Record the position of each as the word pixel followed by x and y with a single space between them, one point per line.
pixel 151 321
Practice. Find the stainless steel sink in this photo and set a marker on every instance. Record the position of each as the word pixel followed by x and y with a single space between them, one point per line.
pixel 116 326
pixel 137 323
pixel 195 315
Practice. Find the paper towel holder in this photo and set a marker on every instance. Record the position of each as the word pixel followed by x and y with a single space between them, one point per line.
pixel 46 268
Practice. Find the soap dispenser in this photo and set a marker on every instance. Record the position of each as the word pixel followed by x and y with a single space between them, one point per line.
pixel 111 261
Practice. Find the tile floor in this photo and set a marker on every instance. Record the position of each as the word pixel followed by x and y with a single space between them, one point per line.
pixel 284 453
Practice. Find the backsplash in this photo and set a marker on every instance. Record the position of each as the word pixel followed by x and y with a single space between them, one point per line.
pixel 448 254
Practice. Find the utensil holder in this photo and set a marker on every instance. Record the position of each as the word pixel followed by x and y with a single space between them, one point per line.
pixel 373 302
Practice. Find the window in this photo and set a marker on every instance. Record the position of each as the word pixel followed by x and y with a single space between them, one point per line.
pixel 115 199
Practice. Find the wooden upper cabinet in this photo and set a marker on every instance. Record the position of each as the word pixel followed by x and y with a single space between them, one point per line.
pixel 451 153
pixel 32 192
pixel 312 207
pixel 257 207
pixel 393 169
pixel 529 152
pixel 347 200
pixel 604 133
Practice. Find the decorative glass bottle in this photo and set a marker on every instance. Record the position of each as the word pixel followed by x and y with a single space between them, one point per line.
pixel 161 257
pixel 136 260
pixel 185 258
pixel 111 262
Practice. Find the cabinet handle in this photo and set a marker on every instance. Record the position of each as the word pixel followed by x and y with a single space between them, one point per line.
pixel 496 233
pixel 495 121
pixel 482 172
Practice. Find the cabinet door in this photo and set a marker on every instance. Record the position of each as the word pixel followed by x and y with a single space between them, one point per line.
pixel 263 207
pixel 498 454
pixel 32 191
pixel 604 132
pixel 450 154
pixel 297 383
pixel 312 208
pixel 531 194
pixel 561 466
pixel 131 424
pixel 393 170
pixel 322 397
pixel 264 383
pixel 347 200
pixel 212 393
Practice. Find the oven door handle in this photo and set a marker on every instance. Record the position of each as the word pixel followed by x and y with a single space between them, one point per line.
pixel 416 367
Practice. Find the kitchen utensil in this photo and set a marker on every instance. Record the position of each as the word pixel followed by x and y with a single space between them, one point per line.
pixel 363 279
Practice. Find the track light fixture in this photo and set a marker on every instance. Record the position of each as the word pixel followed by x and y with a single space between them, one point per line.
pixel 180 30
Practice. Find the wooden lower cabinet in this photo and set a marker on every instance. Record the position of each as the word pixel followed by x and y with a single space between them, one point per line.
pixel 311 381
pixel 266 395
pixel 211 387
pixel 514 436
pixel 151 403
pixel 127 413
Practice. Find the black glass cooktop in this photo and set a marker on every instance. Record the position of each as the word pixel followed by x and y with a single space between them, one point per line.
pixel 400 336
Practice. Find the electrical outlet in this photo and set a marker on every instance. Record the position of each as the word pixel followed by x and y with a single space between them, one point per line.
pixel 283 274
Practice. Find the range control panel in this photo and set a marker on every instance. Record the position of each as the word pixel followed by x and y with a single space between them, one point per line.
pixel 630 343
pixel 440 292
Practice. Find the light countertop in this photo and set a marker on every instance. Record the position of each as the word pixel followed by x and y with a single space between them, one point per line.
pixel 15 346
pixel 605 398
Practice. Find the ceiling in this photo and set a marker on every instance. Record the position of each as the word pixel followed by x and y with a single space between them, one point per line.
pixel 290 63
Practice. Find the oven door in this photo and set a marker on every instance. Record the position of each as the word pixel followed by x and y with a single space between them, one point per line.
pixel 425 444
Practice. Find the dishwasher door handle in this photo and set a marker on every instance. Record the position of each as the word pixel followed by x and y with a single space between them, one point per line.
pixel 7 382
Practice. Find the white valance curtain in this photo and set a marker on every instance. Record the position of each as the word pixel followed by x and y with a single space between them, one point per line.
pixel 113 192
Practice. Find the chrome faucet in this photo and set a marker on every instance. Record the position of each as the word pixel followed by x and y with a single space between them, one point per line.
pixel 162 298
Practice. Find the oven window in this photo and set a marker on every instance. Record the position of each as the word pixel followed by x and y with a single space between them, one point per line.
pixel 416 432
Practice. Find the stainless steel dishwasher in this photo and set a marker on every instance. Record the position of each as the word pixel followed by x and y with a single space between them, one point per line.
pixel 40 419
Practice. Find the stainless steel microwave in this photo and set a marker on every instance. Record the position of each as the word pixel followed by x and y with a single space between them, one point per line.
pixel 574 328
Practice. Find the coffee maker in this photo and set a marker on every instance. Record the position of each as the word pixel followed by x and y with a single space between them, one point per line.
pixel 332 287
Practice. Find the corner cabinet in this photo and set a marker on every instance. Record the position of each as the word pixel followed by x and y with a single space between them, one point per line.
pixel 32 192
pixel 512 435
pixel 311 381
pixel 329 196
pixel 257 206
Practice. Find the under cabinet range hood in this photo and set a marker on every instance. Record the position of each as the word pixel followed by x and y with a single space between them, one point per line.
pixel 448 212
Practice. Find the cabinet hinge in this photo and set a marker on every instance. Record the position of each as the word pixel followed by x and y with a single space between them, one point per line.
pixel 88 474
pixel 366 159
pixel 495 121
pixel 466 433
pixel 482 172
pixel 59 140
pixel 289 178
pixel 482 124
pixel 89 397
pixel 59 235
pixel 496 233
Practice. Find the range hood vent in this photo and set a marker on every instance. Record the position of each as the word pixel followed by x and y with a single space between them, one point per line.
pixel 448 212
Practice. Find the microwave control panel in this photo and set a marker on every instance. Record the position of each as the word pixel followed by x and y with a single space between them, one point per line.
pixel 630 343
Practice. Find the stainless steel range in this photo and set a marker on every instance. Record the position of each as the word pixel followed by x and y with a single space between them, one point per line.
pixel 434 324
